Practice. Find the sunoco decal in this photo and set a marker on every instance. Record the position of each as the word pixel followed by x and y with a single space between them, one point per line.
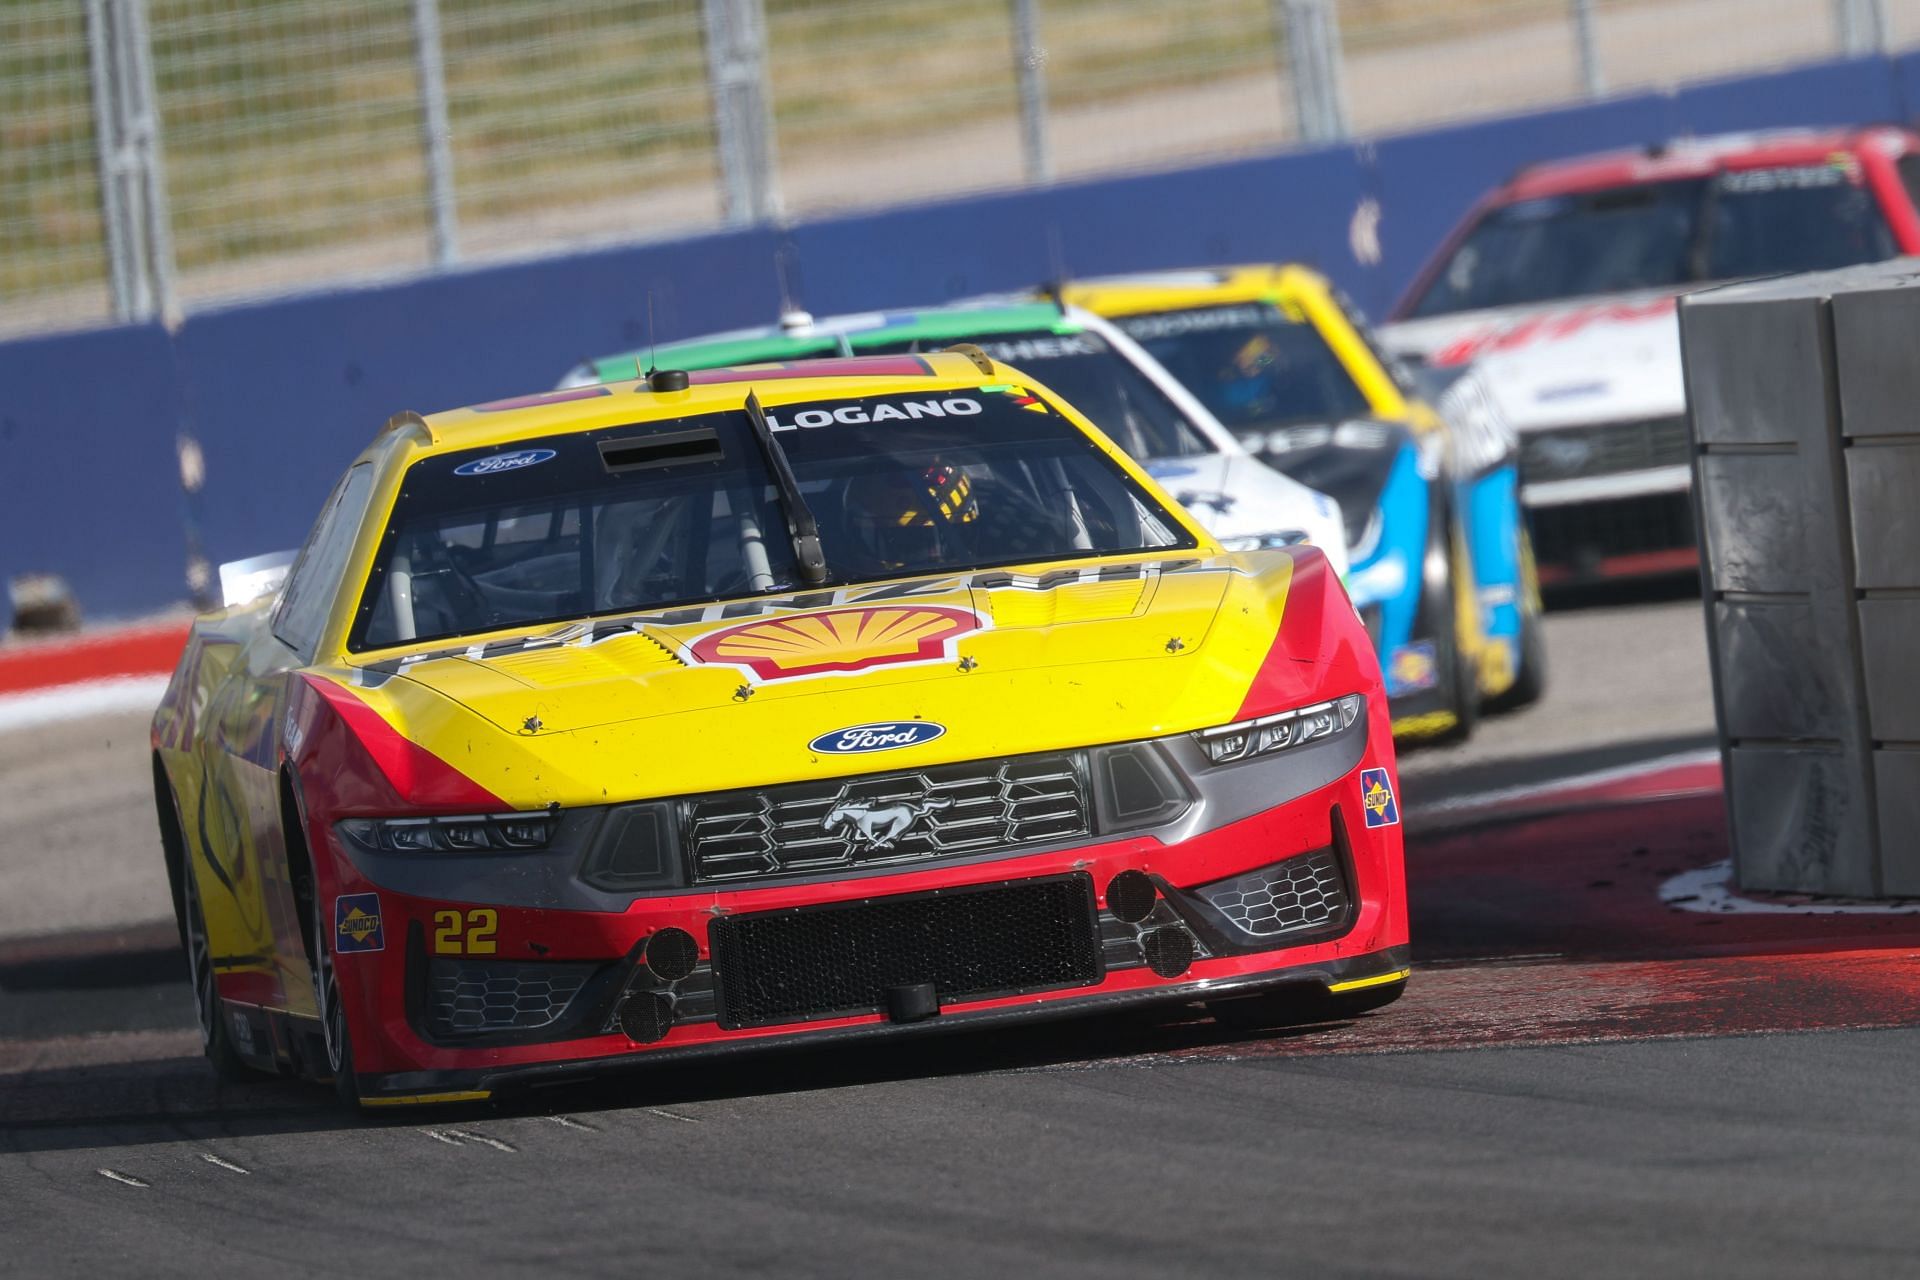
pixel 1376 794
pixel 888 735
pixel 356 923
pixel 495 463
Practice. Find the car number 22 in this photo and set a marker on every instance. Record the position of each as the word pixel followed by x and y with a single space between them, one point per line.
pixel 465 933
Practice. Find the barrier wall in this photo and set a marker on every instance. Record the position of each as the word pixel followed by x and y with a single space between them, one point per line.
pixel 280 394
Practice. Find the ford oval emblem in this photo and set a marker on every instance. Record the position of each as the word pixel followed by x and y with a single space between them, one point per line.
pixel 886 736
pixel 495 463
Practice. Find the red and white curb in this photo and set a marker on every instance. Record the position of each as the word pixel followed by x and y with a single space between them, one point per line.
pixel 108 672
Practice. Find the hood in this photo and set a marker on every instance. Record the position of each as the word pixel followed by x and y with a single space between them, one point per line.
pixel 1236 496
pixel 1564 364
pixel 740 695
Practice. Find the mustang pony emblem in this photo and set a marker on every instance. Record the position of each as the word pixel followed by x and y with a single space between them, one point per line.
pixel 878 828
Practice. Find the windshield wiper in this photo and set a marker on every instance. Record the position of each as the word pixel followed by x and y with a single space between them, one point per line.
pixel 801 527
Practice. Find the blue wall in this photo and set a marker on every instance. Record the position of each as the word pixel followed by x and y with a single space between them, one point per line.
pixel 281 394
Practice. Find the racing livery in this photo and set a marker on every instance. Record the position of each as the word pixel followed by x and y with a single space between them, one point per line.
pixel 1561 286
pixel 817 700
pixel 1438 551
pixel 1097 368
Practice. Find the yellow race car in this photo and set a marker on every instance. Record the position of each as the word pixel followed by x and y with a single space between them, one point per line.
pixel 796 702
pixel 1439 561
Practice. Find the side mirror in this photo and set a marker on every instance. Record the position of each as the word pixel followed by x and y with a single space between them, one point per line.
pixel 244 581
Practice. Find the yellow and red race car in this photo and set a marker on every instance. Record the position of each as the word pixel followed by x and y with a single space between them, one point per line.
pixel 787 703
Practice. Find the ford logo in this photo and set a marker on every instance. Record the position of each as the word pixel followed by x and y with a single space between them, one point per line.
pixel 876 737
pixel 495 463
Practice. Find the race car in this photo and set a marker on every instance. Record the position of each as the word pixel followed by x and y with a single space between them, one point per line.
pixel 784 705
pixel 1561 284
pixel 1438 550
pixel 1092 364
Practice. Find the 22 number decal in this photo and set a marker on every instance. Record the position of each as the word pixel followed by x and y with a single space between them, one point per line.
pixel 471 934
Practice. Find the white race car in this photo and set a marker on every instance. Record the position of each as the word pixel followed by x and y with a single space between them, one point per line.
pixel 1562 286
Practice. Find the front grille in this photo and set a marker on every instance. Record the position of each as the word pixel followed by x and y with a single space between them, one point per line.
pixel 466 997
pixel 1607 449
pixel 1302 893
pixel 839 960
pixel 1585 532
pixel 886 819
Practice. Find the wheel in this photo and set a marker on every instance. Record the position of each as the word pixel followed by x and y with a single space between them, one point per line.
pixel 1530 682
pixel 215 1039
pixel 1301 1005
pixel 333 1013
pixel 1439 600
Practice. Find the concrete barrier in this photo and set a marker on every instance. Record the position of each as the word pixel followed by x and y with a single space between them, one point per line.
pixel 1803 395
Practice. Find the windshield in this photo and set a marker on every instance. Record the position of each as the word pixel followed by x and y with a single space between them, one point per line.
pixel 1098 381
pixel 1663 235
pixel 1251 364
pixel 684 511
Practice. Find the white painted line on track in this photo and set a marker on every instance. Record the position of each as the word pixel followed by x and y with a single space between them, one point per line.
pixel 483 1140
pixel 669 1115
pixel 75 701
pixel 210 1158
pixel 1500 797
pixel 1711 889
pixel 121 1177
pixel 568 1122
pixel 438 1136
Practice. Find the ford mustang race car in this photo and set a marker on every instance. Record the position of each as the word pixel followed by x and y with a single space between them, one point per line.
pixel 1094 366
pixel 1561 285
pixel 792 704
pixel 1438 551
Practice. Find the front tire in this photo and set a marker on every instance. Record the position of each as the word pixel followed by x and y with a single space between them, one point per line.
pixel 1439 601
pixel 333 1012
pixel 215 1040
pixel 1530 682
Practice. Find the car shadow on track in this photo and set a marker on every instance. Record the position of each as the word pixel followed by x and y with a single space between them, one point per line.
pixel 176 1098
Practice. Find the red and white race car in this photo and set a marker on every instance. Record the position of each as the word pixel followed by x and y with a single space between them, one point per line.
pixel 1562 285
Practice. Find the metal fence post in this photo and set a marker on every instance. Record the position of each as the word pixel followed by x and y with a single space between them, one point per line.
pixel 1863 25
pixel 111 158
pixel 1030 67
pixel 133 173
pixel 143 119
pixel 1591 76
pixel 737 81
pixel 1312 32
pixel 436 134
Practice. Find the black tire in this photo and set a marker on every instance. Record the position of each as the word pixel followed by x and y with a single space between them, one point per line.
pixel 1301 1006
pixel 334 1037
pixel 1530 682
pixel 1439 602
pixel 215 1040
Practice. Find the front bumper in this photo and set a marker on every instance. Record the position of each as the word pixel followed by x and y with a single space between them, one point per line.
pixel 619 1003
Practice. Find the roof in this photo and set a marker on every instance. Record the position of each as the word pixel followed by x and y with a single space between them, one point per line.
pixel 835 335
pixel 548 413
pixel 1694 158
pixel 1181 290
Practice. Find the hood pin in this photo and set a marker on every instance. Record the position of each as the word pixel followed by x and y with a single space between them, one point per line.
pixel 1176 644
pixel 968 663
pixel 744 692
pixel 530 725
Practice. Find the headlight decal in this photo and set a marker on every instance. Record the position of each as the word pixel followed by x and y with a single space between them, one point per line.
pixel 1268 734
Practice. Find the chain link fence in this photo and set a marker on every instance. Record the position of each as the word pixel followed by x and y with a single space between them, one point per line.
pixel 254 146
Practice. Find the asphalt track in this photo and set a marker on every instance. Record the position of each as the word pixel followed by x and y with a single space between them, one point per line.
pixel 1585 1078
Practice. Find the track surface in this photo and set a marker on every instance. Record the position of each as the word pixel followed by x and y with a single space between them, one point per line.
pixel 1581 1080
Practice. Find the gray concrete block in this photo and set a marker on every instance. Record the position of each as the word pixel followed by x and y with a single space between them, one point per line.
pixel 1800 821
pixel 1784 674
pixel 1735 398
pixel 1889 645
pixel 1883 487
pixel 1897 776
pixel 1876 334
pixel 1761 533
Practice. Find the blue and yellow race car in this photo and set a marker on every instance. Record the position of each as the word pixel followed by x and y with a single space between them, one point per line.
pixel 1440 565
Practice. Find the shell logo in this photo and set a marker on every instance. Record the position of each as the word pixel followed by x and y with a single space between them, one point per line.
pixel 837 640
